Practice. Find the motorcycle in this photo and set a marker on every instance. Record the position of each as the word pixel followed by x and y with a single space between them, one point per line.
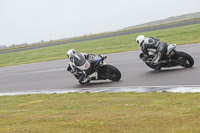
pixel 95 65
pixel 172 58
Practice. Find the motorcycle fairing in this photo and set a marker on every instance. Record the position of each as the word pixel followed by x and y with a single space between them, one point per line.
pixel 170 48
pixel 96 61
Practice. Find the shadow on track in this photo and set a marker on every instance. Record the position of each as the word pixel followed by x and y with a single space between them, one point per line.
pixel 93 84
pixel 169 70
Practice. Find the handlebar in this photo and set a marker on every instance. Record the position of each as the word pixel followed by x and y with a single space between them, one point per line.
pixel 103 57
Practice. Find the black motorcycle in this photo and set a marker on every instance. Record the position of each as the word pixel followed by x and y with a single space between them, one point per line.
pixel 95 65
pixel 171 59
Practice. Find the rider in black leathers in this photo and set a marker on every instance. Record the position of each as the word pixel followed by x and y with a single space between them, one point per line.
pixel 147 43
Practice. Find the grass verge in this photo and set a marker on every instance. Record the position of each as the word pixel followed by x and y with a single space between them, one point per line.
pixel 101 112
pixel 179 35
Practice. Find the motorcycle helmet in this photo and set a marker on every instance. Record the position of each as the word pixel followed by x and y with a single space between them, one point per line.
pixel 140 39
pixel 71 52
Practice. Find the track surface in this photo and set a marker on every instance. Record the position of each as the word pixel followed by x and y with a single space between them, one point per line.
pixel 53 75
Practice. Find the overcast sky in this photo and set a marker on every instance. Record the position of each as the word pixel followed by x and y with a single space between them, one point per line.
pixel 29 21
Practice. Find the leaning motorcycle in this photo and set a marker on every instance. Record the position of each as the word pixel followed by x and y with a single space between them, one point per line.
pixel 171 59
pixel 99 70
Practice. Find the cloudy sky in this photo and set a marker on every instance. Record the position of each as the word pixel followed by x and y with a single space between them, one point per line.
pixel 29 21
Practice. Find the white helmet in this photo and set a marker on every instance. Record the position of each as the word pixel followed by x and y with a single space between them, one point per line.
pixel 70 52
pixel 140 39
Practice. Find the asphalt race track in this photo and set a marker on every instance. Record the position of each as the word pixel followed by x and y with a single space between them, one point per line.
pixel 50 75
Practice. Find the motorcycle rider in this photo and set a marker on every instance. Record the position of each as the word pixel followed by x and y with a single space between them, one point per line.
pixel 84 77
pixel 147 43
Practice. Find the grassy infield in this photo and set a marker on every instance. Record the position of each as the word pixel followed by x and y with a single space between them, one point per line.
pixel 180 35
pixel 101 112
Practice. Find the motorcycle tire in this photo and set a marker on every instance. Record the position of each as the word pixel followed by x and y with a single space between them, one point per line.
pixel 112 72
pixel 185 59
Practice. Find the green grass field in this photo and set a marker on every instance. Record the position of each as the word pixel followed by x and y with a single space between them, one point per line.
pixel 101 112
pixel 179 35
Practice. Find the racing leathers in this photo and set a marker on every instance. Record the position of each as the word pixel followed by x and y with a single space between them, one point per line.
pixel 153 43
pixel 82 61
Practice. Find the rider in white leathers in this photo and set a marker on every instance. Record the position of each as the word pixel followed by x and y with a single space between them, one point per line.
pixel 86 70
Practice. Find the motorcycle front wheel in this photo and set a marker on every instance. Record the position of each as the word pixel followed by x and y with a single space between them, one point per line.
pixel 111 72
pixel 184 59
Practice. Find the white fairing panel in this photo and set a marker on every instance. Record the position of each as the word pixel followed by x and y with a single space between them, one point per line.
pixel 170 48
pixel 84 66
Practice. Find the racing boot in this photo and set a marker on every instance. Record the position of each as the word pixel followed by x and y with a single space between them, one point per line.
pixel 84 78
pixel 157 62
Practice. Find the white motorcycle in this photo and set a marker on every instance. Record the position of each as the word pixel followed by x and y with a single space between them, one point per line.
pixel 95 67
pixel 171 59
